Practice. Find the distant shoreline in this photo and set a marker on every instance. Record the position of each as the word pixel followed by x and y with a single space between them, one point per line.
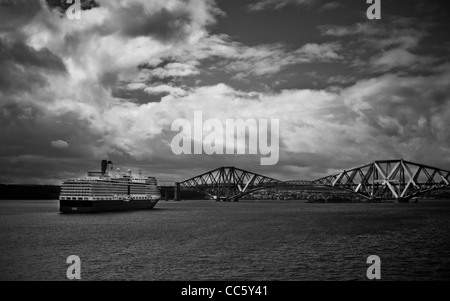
pixel 51 192
pixel 29 192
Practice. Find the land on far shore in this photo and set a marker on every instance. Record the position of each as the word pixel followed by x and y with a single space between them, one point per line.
pixel 51 192
pixel 29 192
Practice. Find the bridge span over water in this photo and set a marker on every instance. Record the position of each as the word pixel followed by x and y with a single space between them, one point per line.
pixel 378 180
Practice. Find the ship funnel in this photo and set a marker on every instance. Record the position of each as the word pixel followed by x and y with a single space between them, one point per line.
pixel 104 166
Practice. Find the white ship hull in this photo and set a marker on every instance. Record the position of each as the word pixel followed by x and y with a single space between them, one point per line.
pixel 108 191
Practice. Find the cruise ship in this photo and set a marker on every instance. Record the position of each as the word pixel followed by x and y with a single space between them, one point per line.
pixel 108 190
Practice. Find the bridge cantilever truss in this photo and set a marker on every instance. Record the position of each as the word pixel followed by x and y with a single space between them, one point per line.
pixel 384 179
pixel 388 179
pixel 228 183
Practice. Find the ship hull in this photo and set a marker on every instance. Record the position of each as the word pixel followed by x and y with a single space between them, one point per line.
pixel 67 206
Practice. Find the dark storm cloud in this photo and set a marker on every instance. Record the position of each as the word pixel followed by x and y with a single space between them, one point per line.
pixel 131 68
pixel 21 54
pixel 28 154
pixel 15 13
pixel 162 24
pixel 21 66
pixel 39 169
pixel 136 96
pixel 410 44
pixel 27 130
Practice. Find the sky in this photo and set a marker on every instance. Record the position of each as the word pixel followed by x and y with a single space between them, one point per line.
pixel 346 90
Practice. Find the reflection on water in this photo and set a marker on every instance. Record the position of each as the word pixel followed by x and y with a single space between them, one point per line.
pixel 205 240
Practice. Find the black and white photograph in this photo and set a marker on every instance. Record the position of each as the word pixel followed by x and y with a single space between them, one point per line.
pixel 224 145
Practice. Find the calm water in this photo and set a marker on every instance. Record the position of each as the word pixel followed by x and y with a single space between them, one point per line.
pixel 205 240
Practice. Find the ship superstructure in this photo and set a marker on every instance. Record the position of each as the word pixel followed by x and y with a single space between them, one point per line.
pixel 109 190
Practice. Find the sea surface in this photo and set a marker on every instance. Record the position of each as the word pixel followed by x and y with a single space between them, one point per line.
pixel 247 240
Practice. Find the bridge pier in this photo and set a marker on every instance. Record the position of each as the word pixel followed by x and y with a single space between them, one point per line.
pixel 176 193
pixel 166 194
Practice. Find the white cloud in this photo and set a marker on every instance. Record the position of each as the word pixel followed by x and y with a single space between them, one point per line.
pixel 235 58
pixel 136 86
pixel 277 4
pixel 268 59
pixel 374 118
pixel 358 28
pixel 319 52
pixel 187 68
pixel 59 144
pixel 400 58
pixel 174 91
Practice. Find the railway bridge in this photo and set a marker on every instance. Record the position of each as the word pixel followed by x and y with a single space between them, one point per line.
pixel 396 179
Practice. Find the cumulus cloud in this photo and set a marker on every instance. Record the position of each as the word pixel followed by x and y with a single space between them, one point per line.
pixel 399 57
pixel 320 53
pixel 59 144
pixel 372 118
pixel 232 57
pixel 24 67
pixel 175 91
pixel 60 78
